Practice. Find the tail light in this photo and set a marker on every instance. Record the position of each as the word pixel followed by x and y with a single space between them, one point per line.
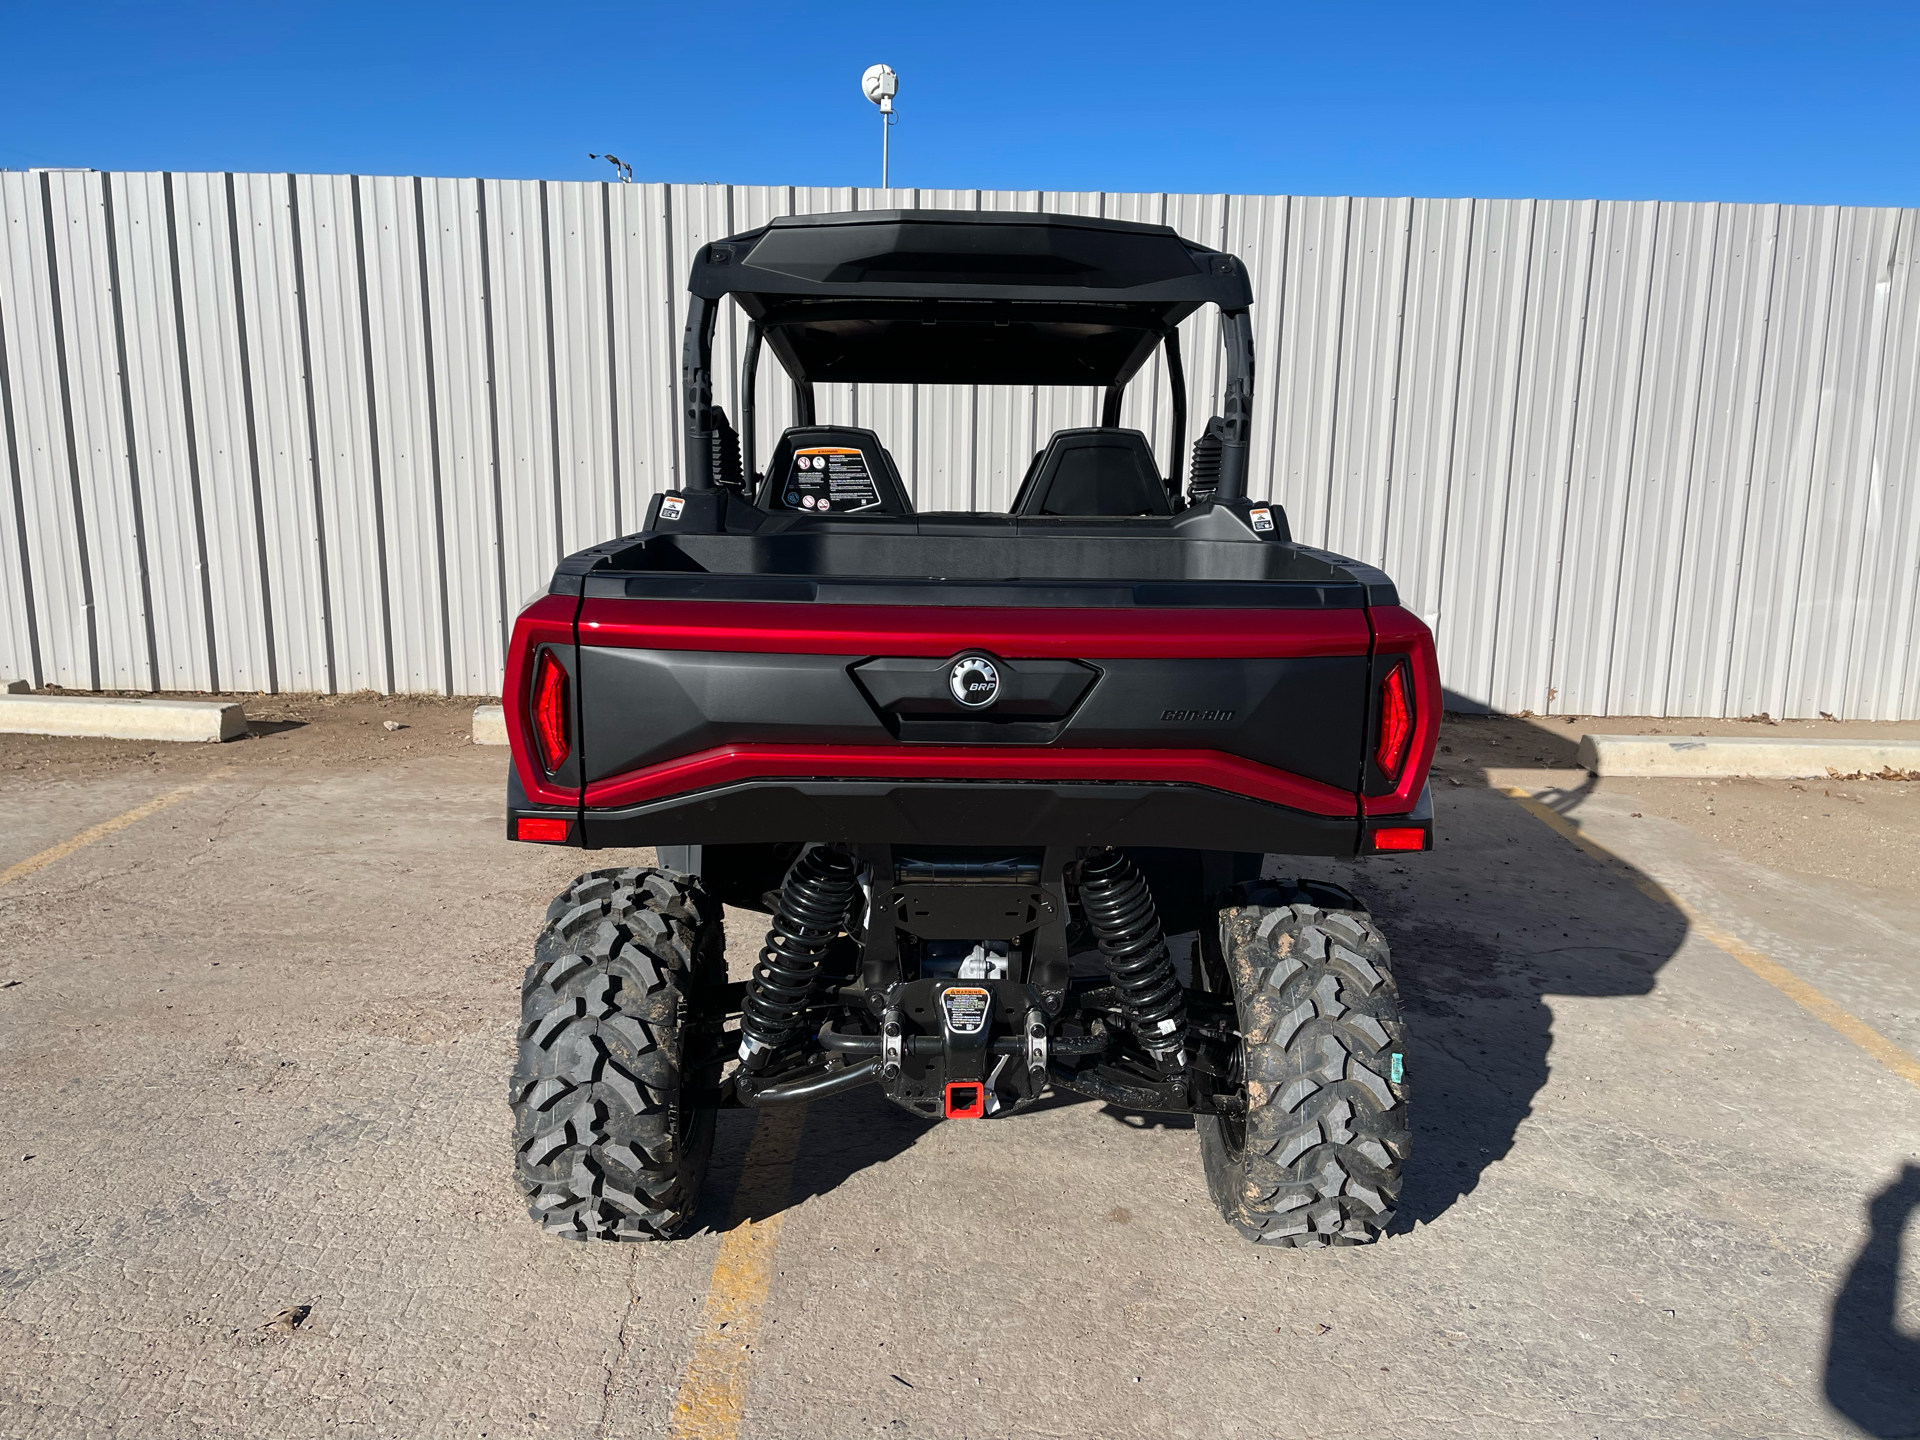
pixel 550 728
pixel 1396 723
pixel 1398 837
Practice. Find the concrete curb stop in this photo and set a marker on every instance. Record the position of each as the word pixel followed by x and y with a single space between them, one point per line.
pixel 1765 758
pixel 489 725
pixel 209 721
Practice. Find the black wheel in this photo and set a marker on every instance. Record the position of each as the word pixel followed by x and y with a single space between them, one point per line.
pixel 606 1144
pixel 1316 1159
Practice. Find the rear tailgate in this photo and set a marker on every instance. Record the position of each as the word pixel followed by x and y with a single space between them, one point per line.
pixel 665 680
pixel 670 697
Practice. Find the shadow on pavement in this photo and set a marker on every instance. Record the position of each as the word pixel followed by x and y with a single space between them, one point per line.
pixel 1503 915
pixel 825 1142
pixel 1873 1367
pixel 849 1133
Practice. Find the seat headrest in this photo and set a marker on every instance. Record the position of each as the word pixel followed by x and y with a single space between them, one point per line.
pixel 832 470
pixel 1098 471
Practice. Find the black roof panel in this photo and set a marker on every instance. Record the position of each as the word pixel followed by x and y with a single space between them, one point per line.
pixel 952 254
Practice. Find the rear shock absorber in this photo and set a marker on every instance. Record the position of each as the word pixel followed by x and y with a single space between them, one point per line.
pixel 812 909
pixel 1119 907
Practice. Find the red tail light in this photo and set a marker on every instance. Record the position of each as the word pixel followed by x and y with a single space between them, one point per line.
pixel 1400 837
pixel 550 727
pixel 1396 722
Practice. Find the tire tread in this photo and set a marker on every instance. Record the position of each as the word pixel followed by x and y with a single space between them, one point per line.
pixel 603 1146
pixel 1326 1128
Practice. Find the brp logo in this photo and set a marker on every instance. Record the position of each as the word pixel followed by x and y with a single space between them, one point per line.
pixel 974 681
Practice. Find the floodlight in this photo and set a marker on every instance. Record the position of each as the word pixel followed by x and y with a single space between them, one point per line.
pixel 879 84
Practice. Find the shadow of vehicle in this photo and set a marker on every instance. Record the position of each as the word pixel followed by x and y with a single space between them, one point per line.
pixel 1501 916
pixel 1873 1367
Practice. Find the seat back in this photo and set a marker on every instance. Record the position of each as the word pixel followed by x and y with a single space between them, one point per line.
pixel 832 470
pixel 1100 470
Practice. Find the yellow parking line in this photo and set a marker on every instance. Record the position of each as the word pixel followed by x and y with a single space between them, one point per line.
pixel 105 828
pixel 1771 971
pixel 713 1392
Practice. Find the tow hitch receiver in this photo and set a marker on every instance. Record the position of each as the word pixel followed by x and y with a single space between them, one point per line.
pixel 966 1100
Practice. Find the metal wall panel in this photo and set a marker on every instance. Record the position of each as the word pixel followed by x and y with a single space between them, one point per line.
pixel 1841 488
pixel 1789 424
pixel 1643 608
pixel 460 479
pixel 1606 435
pixel 54 549
pixel 1432 346
pixel 329 432
pixel 147 355
pixel 1883 673
pixel 221 433
pixel 1722 462
pixel 1530 581
pixel 391 332
pixel 1491 347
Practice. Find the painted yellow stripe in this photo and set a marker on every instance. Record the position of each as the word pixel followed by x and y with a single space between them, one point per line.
pixel 105 828
pixel 713 1392
pixel 1771 971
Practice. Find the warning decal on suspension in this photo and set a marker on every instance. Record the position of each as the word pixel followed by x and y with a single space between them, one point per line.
pixel 830 478
pixel 966 1009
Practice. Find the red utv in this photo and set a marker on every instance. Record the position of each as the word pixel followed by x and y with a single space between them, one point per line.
pixel 976 767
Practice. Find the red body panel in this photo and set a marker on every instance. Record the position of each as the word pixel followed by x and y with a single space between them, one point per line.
pixel 935 630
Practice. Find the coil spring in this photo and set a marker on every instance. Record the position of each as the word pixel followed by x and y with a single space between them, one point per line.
pixel 1119 907
pixel 813 906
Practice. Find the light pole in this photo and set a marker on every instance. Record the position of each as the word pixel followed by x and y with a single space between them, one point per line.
pixel 879 84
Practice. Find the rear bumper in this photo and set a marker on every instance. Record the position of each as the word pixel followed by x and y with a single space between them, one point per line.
pixel 962 812
pixel 994 810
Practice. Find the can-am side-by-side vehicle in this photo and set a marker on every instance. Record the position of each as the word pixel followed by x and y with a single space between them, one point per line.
pixel 977 767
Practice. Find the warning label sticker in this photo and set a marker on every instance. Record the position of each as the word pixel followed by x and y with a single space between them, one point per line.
pixel 966 1009
pixel 830 478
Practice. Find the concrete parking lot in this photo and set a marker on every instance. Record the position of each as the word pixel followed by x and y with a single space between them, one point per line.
pixel 254 1046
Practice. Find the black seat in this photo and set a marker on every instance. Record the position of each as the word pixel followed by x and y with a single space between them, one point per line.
pixel 1096 471
pixel 832 470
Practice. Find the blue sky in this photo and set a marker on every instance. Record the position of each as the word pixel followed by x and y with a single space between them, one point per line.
pixel 1807 103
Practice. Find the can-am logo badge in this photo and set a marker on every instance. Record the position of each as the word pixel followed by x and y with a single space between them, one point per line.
pixel 974 681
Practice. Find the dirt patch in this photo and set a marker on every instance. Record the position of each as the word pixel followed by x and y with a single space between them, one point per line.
pixel 299 732
pixel 1865 830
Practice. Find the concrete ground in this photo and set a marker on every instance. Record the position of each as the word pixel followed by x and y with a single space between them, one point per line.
pixel 256 1172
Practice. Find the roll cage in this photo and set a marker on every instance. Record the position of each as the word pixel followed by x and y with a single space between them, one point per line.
pixel 959 297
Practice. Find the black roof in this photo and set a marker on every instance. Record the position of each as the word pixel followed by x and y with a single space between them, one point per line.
pixel 962 296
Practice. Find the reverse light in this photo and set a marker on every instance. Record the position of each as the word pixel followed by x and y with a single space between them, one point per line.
pixel 553 830
pixel 550 729
pixel 1396 723
pixel 1398 837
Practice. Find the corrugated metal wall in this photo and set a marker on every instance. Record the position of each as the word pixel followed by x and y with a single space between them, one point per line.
pixel 291 432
